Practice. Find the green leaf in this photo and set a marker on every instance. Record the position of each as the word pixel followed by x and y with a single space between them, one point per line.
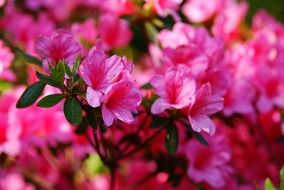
pixel 76 64
pixel 48 80
pixel 58 72
pixel 50 100
pixel 171 141
pixel 30 95
pixel 28 58
pixel 73 111
pixel 76 77
pixel 269 185
pixel 151 31
pixel 67 69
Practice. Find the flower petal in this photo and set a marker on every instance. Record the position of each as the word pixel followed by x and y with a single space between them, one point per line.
pixel 93 97
pixel 202 122
pixel 159 106
pixel 108 116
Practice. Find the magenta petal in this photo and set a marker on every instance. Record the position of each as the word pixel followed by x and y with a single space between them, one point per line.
pixel 124 115
pixel 214 177
pixel 215 103
pixel 187 91
pixel 114 66
pixel 43 45
pixel 159 106
pixel 158 82
pixel 202 122
pixel 93 97
pixel 264 104
pixel 108 116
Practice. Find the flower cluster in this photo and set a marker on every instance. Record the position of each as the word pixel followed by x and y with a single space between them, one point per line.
pixel 144 94
pixel 109 85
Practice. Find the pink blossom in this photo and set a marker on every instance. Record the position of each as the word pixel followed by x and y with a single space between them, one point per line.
pixel 239 98
pixel 209 164
pixel 38 126
pixel 196 40
pixel 119 101
pixel 59 46
pixel 108 23
pixel 200 11
pixel 59 10
pixel 117 7
pixel 226 24
pixel 166 7
pixel 2 2
pixel 188 58
pixel 11 180
pixel 16 24
pixel 220 79
pixel 85 32
pixel 175 91
pixel 203 105
pixel 9 143
pixel 99 73
pixel 263 21
pixel 178 36
pixel 270 85
pixel 6 58
pixel 30 126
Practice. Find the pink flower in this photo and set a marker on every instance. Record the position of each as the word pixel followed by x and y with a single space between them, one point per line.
pixel 113 31
pixel 203 105
pixel 85 32
pixel 99 73
pixel 166 7
pixel 200 11
pixel 6 58
pixel 226 24
pixel 2 2
pixel 119 101
pixel 271 85
pixel 209 164
pixel 193 43
pixel 16 24
pixel 59 46
pixel 59 10
pixel 9 143
pixel 118 7
pixel 178 36
pixel 188 58
pixel 239 98
pixel 22 128
pixel 11 180
pixel 175 91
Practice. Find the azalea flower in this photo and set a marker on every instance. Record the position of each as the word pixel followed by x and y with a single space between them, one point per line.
pixel 108 23
pixel 203 105
pixel 175 91
pixel 99 73
pixel 6 58
pixel 119 101
pixel 209 164
pixel 59 46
